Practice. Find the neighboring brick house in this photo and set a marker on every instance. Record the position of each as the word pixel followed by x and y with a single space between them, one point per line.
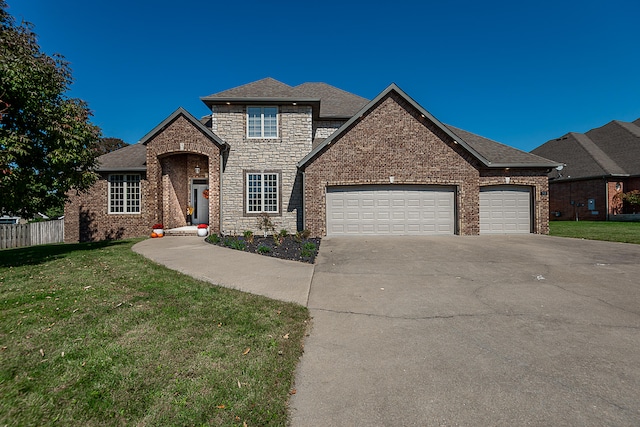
pixel 313 157
pixel 598 165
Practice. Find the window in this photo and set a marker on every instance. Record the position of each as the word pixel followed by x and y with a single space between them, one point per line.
pixel 124 193
pixel 262 192
pixel 262 122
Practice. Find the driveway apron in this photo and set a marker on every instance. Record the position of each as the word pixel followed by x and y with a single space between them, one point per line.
pixel 476 330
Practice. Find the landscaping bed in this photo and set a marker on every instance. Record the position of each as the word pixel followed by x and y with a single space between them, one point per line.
pixel 289 247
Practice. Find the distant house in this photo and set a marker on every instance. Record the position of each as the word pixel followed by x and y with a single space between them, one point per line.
pixel 313 157
pixel 598 165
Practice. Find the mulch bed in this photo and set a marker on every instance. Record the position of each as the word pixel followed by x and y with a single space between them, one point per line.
pixel 289 249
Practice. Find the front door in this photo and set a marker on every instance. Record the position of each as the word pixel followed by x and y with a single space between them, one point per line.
pixel 200 201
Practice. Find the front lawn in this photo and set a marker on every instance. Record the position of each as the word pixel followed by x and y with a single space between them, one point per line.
pixel 625 232
pixel 95 334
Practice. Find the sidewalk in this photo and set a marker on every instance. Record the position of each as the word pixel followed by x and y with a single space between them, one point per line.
pixel 257 274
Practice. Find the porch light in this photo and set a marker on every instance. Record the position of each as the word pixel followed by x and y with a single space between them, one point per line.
pixel 197 169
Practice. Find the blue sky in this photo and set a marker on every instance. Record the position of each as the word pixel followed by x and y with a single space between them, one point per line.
pixel 520 73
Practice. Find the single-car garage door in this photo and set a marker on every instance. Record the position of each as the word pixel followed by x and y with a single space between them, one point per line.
pixel 390 209
pixel 505 210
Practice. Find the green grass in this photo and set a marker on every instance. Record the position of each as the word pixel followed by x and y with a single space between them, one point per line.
pixel 94 334
pixel 625 232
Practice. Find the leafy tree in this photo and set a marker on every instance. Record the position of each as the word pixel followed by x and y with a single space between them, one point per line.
pixel 47 143
pixel 107 145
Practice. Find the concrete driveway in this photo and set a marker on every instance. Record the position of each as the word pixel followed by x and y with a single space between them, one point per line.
pixel 472 331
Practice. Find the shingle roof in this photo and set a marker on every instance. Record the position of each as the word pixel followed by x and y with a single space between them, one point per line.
pixel 130 158
pixel 334 102
pixel 610 150
pixel 134 157
pixel 265 88
pixel 490 153
pixel 497 153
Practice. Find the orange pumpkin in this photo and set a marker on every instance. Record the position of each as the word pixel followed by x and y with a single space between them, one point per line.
pixel 154 235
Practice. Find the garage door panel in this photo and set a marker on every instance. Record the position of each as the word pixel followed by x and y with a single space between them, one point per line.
pixel 399 210
pixel 505 210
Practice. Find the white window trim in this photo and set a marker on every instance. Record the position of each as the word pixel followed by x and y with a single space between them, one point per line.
pixel 262 122
pixel 109 205
pixel 262 199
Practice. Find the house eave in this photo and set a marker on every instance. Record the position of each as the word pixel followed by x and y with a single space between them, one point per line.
pixel 131 169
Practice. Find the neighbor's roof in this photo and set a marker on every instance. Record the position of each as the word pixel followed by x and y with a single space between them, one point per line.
pixel 490 153
pixel 610 150
pixel 333 102
pixel 131 158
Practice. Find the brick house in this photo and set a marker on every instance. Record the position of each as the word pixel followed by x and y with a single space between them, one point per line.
pixel 313 157
pixel 598 165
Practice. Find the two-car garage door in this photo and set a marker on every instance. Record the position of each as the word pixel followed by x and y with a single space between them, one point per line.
pixel 390 209
pixel 422 210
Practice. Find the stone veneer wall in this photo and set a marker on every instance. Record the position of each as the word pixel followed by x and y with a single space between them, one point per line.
pixel 87 217
pixel 322 129
pixel 262 155
pixel 393 139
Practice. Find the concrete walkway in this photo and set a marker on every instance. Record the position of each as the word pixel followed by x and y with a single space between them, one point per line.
pixel 260 275
pixel 450 331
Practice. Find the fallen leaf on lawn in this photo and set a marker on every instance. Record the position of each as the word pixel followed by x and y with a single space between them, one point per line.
pixel 63 354
pixel 239 385
pixel 246 351
pixel 42 352
pixel 86 287
pixel 293 391
pixel 220 406
pixel 279 311
pixel 285 336
pixel 244 424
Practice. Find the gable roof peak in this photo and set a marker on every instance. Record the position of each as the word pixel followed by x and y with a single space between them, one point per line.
pixel 191 118
pixel 489 153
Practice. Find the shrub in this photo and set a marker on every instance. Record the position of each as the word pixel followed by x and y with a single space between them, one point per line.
pixel 235 243
pixel 248 236
pixel 308 249
pixel 264 249
pixel 283 233
pixel 264 223
pixel 213 238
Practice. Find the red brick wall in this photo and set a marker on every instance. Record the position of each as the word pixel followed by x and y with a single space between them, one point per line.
pixel 171 159
pixel 534 178
pixel 87 218
pixel 563 193
pixel 393 139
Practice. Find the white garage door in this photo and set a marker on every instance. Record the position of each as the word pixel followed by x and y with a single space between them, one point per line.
pixel 505 210
pixel 390 209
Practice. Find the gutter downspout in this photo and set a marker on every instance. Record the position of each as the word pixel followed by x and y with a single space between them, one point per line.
pixel 304 219
pixel 220 198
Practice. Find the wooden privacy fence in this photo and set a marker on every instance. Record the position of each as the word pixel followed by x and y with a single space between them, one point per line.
pixel 35 233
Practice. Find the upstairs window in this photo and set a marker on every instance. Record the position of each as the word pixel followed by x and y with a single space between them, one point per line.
pixel 262 192
pixel 262 122
pixel 124 194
